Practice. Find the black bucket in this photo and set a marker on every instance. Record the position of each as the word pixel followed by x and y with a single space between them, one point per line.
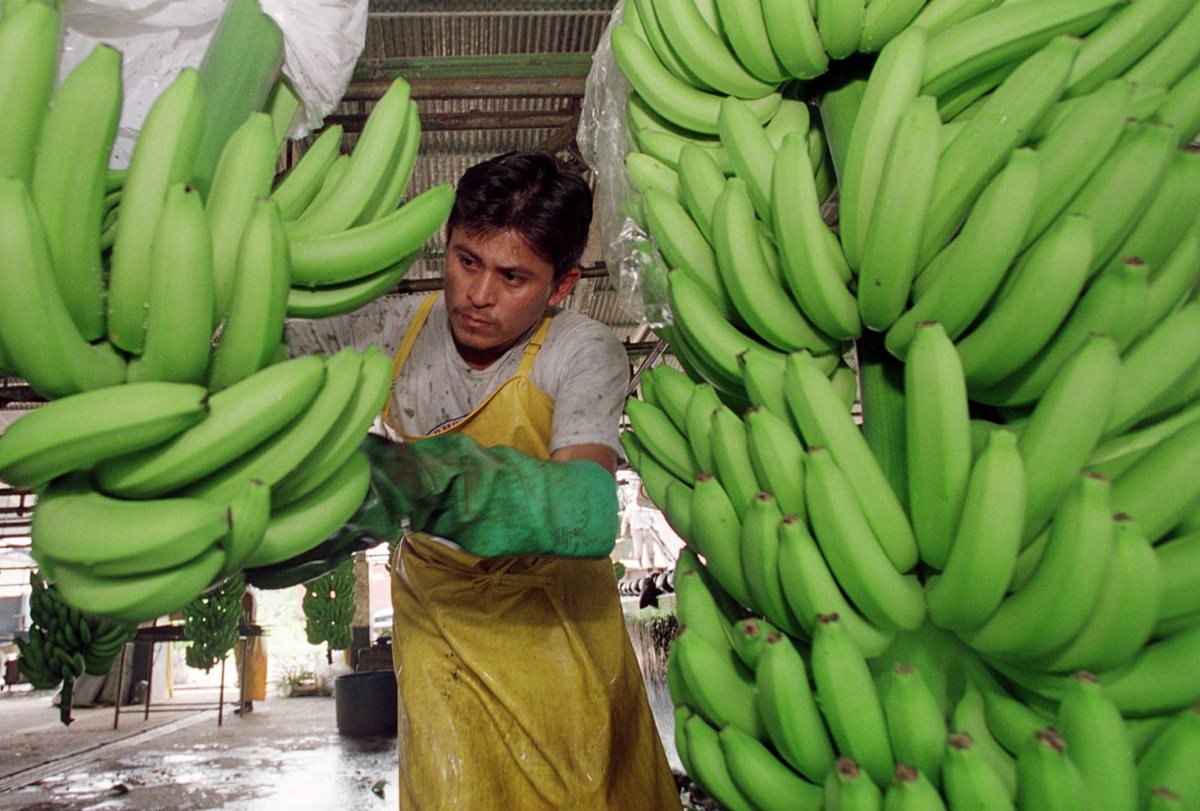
pixel 366 703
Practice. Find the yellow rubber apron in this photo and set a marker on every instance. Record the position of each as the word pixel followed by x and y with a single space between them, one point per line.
pixel 518 686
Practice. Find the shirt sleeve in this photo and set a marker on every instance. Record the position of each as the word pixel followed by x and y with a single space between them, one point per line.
pixel 589 395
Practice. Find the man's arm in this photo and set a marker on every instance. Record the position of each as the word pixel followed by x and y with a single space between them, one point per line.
pixel 592 451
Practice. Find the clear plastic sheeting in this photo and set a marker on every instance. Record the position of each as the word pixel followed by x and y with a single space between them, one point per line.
pixel 604 141
pixel 158 38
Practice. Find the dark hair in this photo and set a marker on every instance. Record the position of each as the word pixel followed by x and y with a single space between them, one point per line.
pixel 533 194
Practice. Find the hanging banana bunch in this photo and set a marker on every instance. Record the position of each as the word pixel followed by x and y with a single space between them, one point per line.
pixel 329 607
pixel 65 643
pixel 210 623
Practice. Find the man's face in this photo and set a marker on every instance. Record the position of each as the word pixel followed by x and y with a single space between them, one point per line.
pixel 496 288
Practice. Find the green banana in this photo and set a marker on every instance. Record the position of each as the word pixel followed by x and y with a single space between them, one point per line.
pixel 789 710
pixel 304 523
pixel 1005 33
pixel 1121 39
pixel 751 152
pixel 1178 569
pixel 675 100
pixel 769 783
pixel 76 432
pixel 647 172
pixel 239 418
pixel 984 549
pixel 812 268
pixel 177 342
pixel 29 47
pixel 1114 304
pixel 894 83
pixel 1066 426
pixel 367 174
pixel 848 787
pixel 400 172
pixel 892 243
pixel 881 391
pixel 722 688
pixel 1125 615
pixel 682 246
pixel 1159 679
pixel 911 790
pixel 705 52
pixel 1046 776
pixel 915 723
pixel 811 589
pixel 1098 744
pixel 300 185
pixel 744 25
pixel 335 299
pixel 999 126
pixel 659 436
pixel 849 700
pixel 1170 760
pixel 1043 287
pixel 69 194
pixel 672 392
pixel 1075 146
pixel 708 760
pixel 697 419
pixel 272 460
pixel 716 341
pixel 777 457
pixel 716 533
pixel 731 459
pixel 163 155
pixel 792 31
pixel 760 562
pixel 885 595
pixel 41 341
pixel 1154 366
pixel 1130 174
pixel 639 15
pixel 701 605
pixel 243 175
pixel 138 598
pixel 840 24
pixel 249 515
pixel 956 286
pixel 1175 53
pixel 938 439
pixel 1049 610
pixel 886 20
pixel 938 15
pixel 343 256
pixel 1158 490
pixel 76 526
pixel 823 421
pixel 969 781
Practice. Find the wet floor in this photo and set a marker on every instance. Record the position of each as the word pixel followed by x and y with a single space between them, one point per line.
pixel 285 754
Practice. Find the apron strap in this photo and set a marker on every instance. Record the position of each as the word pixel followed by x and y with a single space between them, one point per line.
pixel 406 345
pixel 534 345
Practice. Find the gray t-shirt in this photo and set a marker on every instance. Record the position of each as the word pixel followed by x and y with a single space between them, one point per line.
pixel 582 367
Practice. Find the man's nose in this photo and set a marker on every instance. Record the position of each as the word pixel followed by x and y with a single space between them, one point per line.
pixel 482 290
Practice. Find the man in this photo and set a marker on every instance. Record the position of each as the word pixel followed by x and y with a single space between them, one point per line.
pixel 518 685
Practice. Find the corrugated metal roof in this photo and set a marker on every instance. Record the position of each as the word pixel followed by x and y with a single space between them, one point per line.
pixel 412 29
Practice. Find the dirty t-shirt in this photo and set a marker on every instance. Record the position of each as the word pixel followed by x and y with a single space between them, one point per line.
pixel 582 367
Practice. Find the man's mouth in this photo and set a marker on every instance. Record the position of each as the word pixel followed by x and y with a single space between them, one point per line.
pixel 471 322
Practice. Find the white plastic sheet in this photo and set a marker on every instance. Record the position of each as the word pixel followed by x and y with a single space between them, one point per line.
pixel 157 38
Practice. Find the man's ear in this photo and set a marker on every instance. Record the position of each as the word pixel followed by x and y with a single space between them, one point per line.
pixel 562 288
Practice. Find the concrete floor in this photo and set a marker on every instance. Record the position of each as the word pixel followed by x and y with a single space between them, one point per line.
pixel 287 752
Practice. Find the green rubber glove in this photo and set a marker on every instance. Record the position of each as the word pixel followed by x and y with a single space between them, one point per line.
pixel 491 501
